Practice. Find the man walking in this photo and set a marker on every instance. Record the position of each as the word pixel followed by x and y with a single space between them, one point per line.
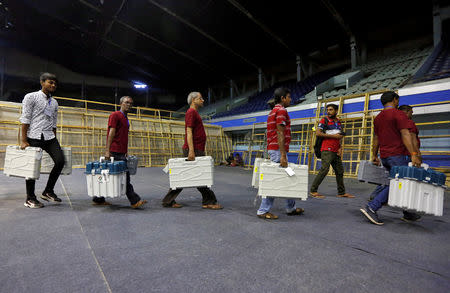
pixel 392 137
pixel 278 139
pixel 330 130
pixel 117 147
pixel 194 145
pixel 39 116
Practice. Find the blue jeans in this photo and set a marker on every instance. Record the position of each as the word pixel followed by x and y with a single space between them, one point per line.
pixel 267 203
pixel 381 193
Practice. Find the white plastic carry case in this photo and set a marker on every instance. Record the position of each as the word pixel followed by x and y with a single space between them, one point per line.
pixel 23 163
pixel 132 164
pixel 256 171
pixel 106 179
pixel 184 173
pixel 47 162
pixel 416 195
pixel 370 173
pixel 274 181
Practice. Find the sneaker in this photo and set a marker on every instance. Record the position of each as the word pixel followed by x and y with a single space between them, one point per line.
pixel 50 196
pixel 371 215
pixel 410 217
pixel 33 204
pixel 139 204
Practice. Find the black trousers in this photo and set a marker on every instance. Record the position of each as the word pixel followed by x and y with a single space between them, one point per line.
pixel 208 196
pixel 132 196
pixel 53 148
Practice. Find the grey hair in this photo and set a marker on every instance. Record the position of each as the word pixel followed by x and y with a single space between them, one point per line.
pixel 192 96
pixel 123 98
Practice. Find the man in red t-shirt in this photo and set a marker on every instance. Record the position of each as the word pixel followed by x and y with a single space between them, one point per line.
pixel 194 145
pixel 330 130
pixel 408 110
pixel 393 139
pixel 278 139
pixel 117 147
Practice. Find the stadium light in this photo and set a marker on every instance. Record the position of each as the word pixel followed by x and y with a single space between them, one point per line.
pixel 139 85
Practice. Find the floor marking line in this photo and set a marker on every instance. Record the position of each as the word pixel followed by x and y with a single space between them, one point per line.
pixel 87 240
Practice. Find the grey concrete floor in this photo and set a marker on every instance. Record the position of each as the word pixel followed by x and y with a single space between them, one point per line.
pixel 77 247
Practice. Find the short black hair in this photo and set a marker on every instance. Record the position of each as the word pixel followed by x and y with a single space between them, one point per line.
pixel 334 106
pixel 280 92
pixel 48 76
pixel 388 97
pixel 405 108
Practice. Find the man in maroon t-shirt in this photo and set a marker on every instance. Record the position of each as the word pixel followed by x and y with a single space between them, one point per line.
pixel 117 147
pixel 330 130
pixel 393 139
pixel 408 110
pixel 194 145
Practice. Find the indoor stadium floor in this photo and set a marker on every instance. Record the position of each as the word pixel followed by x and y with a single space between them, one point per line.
pixel 77 247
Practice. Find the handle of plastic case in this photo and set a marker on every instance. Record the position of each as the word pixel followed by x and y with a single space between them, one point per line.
pixel 423 165
pixel 112 159
pixel 102 159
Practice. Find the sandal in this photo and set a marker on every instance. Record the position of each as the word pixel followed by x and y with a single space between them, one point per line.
pixel 268 216
pixel 103 203
pixel 139 204
pixel 316 195
pixel 174 205
pixel 348 195
pixel 212 206
pixel 297 211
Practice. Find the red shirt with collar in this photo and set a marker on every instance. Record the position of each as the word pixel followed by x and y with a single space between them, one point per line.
pixel 278 116
pixel 387 126
pixel 330 144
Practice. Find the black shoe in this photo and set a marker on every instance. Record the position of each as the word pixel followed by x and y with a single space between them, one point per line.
pixel 296 212
pixel 33 204
pixel 410 217
pixel 50 196
pixel 371 215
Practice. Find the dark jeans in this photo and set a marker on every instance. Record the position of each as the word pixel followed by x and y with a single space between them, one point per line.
pixel 330 158
pixel 53 148
pixel 207 194
pixel 381 193
pixel 133 197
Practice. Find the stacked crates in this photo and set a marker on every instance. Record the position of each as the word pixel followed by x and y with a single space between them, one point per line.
pixel 106 179
pixel 420 189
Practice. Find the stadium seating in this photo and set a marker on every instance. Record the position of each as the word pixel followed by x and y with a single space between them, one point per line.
pixel 258 102
pixel 437 65
pixel 385 72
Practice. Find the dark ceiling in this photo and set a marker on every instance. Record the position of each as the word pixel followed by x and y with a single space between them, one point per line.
pixel 176 44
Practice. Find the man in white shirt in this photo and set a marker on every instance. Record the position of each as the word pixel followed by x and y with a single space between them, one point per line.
pixel 39 115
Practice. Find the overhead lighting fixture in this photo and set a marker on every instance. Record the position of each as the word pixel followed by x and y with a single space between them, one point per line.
pixel 139 85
